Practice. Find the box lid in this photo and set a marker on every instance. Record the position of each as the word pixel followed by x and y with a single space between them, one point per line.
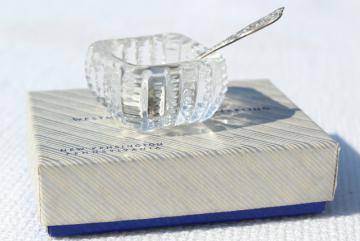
pixel 259 150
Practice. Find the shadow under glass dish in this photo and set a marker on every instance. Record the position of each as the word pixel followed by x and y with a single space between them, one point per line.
pixel 156 81
pixel 242 107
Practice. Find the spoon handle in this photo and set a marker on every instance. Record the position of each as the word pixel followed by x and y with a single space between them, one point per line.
pixel 250 29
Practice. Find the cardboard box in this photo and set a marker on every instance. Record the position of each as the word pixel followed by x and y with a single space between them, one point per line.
pixel 259 156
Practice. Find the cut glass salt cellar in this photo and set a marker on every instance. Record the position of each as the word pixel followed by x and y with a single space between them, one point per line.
pixel 162 80
pixel 156 81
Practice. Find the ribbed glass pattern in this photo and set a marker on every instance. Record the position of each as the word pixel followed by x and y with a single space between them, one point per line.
pixel 155 81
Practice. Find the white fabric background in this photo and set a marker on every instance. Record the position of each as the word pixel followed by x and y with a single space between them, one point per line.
pixel 312 55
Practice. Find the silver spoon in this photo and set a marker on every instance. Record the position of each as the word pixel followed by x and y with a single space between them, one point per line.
pixel 250 29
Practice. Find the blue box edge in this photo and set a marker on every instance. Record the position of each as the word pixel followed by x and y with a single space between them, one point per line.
pixel 206 218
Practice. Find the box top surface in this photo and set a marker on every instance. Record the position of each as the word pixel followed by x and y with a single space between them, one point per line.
pixel 71 127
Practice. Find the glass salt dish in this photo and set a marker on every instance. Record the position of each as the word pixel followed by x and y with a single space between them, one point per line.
pixel 156 81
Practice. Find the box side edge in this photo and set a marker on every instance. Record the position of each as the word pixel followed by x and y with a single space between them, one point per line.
pixel 33 153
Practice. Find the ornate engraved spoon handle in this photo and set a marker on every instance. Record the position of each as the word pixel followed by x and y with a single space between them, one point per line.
pixel 250 29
